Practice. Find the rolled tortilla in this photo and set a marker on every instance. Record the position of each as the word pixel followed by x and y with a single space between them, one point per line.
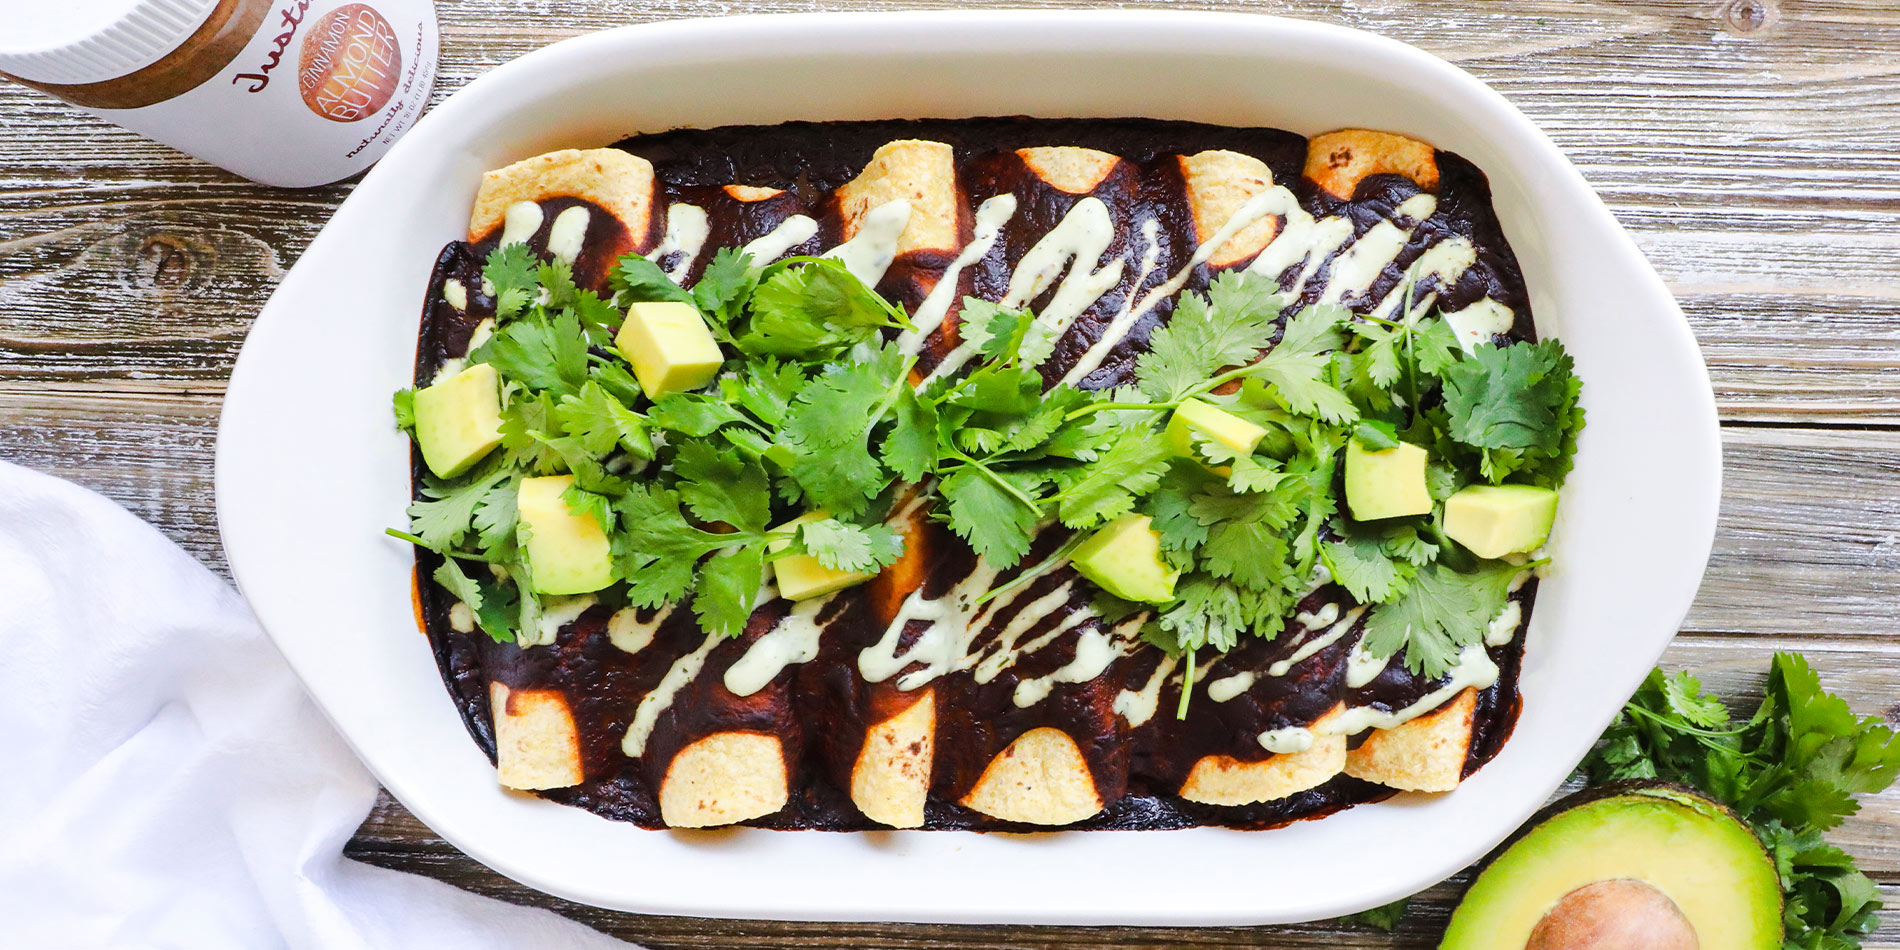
pixel 1032 735
pixel 1338 161
pixel 713 756
pixel 890 777
pixel 1040 779
pixel 890 782
pixel 724 778
pixel 1224 780
pixel 1425 755
pixel 613 180
pixel 1077 171
pixel 922 173
pixel 536 743
pixel 1218 183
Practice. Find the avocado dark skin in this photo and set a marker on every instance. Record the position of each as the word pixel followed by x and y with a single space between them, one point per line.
pixel 1636 865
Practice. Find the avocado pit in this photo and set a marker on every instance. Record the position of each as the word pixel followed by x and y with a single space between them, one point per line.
pixel 1620 914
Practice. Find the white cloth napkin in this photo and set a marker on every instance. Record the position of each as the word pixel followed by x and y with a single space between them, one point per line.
pixel 167 783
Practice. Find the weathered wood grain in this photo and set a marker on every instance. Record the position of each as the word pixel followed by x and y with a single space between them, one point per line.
pixel 1755 156
pixel 1752 147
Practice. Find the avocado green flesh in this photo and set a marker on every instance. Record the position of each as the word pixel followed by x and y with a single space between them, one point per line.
pixel 1124 558
pixel 1692 850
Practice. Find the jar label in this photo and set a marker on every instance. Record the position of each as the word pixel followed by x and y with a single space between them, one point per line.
pixel 350 63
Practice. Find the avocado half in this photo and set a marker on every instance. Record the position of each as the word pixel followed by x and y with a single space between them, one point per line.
pixel 1625 866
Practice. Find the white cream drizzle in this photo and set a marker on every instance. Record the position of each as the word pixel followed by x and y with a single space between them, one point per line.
pixel 793 640
pixel 773 244
pixel 1228 687
pixel 686 232
pixel 1473 670
pixel 1287 741
pixel 1071 249
pixel 626 631
pixel 455 293
pixel 1354 270
pixel 1324 617
pixel 991 215
pixel 1480 322
pixel 1446 261
pixel 1363 667
pixel 870 252
pixel 1002 651
pixel 568 234
pixel 1094 651
pixel 556 612
pixel 1299 235
pixel 937 648
pixel 647 714
pixel 1137 706
pixel 519 222
pixel 1316 644
pixel 1504 626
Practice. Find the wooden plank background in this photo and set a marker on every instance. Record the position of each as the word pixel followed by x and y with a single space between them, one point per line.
pixel 1752 147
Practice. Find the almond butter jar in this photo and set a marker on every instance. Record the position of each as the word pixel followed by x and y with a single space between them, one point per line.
pixel 285 92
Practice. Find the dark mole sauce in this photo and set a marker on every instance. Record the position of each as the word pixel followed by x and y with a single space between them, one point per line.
pixel 821 709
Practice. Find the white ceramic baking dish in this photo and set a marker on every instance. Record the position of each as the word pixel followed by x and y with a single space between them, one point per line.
pixel 310 469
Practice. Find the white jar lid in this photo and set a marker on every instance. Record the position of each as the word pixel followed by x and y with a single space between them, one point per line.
pixel 79 41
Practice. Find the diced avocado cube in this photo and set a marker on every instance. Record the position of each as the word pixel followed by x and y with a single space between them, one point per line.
pixel 1495 520
pixel 1123 557
pixel 669 346
pixel 1212 422
pixel 458 420
pixel 800 576
pixel 1388 483
pixel 568 552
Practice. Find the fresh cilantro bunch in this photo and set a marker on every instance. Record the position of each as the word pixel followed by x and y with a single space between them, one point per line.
pixel 688 488
pixel 1792 770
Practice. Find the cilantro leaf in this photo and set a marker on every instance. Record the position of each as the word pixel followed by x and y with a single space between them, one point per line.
pixel 844 546
pixel 540 353
pixel 1792 770
pixel 1225 328
pixel 442 520
pixel 721 487
pixel 990 329
pixel 634 279
pixel 494 606
pixel 656 549
pixel 815 307
pixel 403 401
pixel 1107 487
pixel 693 414
pixel 602 423
pixel 511 272
pixel 1441 612
pixel 1297 368
pixel 766 388
pixel 725 285
pixel 910 448
pixel 728 585
pixel 1507 397
pixel 1360 566
pixel 828 429
pixel 996 522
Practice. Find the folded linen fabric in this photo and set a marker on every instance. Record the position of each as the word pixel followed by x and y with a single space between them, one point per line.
pixel 169 783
